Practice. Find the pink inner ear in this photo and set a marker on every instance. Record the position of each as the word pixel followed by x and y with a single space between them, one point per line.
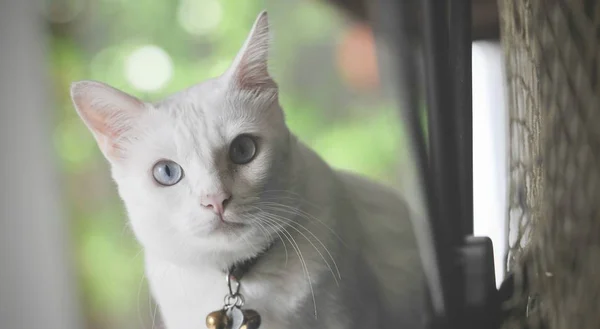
pixel 99 123
pixel 108 132
pixel 251 70
pixel 108 113
pixel 253 76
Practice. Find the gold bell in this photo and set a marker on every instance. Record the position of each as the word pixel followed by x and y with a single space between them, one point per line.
pixel 251 319
pixel 217 320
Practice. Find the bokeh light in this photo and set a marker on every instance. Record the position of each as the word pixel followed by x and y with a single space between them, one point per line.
pixel 356 58
pixel 199 17
pixel 149 68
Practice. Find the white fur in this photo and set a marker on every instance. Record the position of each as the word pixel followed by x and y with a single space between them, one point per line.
pixel 351 237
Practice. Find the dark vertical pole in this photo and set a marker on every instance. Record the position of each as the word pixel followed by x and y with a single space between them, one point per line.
pixel 440 106
pixel 460 53
pixel 443 150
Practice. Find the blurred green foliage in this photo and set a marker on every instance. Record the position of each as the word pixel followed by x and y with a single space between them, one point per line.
pixel 199 38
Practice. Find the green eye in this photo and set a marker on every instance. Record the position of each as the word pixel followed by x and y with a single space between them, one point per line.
pixel 167 172
pixel 242 149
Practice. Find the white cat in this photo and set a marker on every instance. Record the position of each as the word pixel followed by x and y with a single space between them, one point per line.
pixel 211 176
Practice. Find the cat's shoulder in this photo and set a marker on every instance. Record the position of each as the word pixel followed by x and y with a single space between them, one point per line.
pixel 380 209
pixel 369 190
pixel 387 241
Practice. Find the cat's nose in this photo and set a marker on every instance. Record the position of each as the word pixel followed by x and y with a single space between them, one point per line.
pixel 216 202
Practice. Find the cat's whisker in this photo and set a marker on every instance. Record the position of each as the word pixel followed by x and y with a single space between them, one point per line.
pixel 302 260
pixel 240 237
pixel 126 227
pixel 137 254
pixel 277 228
pixel 282 241
pixel 263 230
pixel 291 220
pixel 296 210
pixel 249 199
pixel 139 293
pixel 287 221
pixel 287 191
pixel 316 238
pixel 289 237
pixel 299 212
pixel 168 269
pixel 139 310
pixel 256 220
pixel 293 197
pixel 154 315
pixel 291 202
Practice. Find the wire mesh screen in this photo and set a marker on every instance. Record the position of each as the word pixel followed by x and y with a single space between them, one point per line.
pixel 553 66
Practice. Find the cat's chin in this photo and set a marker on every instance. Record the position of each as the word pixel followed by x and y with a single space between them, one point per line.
pixel 220 227
pixel 226 227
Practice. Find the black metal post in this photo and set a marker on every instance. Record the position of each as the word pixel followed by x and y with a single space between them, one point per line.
pixel 461 70
pixel 443 151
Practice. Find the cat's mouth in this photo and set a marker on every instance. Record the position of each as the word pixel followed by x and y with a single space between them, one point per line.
pixel 225 224
pixel 227 228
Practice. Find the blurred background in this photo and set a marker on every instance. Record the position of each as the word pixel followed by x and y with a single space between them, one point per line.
pixel 325 66
pixel 66 246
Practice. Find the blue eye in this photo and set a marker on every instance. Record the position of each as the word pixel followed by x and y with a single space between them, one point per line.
pixel 167 172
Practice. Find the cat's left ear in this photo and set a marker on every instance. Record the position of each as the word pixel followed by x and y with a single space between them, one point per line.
pixel 249 69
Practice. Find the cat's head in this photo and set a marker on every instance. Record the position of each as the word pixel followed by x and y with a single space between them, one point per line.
pixel 192 167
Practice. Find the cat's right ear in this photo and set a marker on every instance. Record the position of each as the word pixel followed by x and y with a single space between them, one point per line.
pixel 110 115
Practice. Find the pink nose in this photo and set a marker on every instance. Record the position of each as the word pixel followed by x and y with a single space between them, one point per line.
pixel 216 202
